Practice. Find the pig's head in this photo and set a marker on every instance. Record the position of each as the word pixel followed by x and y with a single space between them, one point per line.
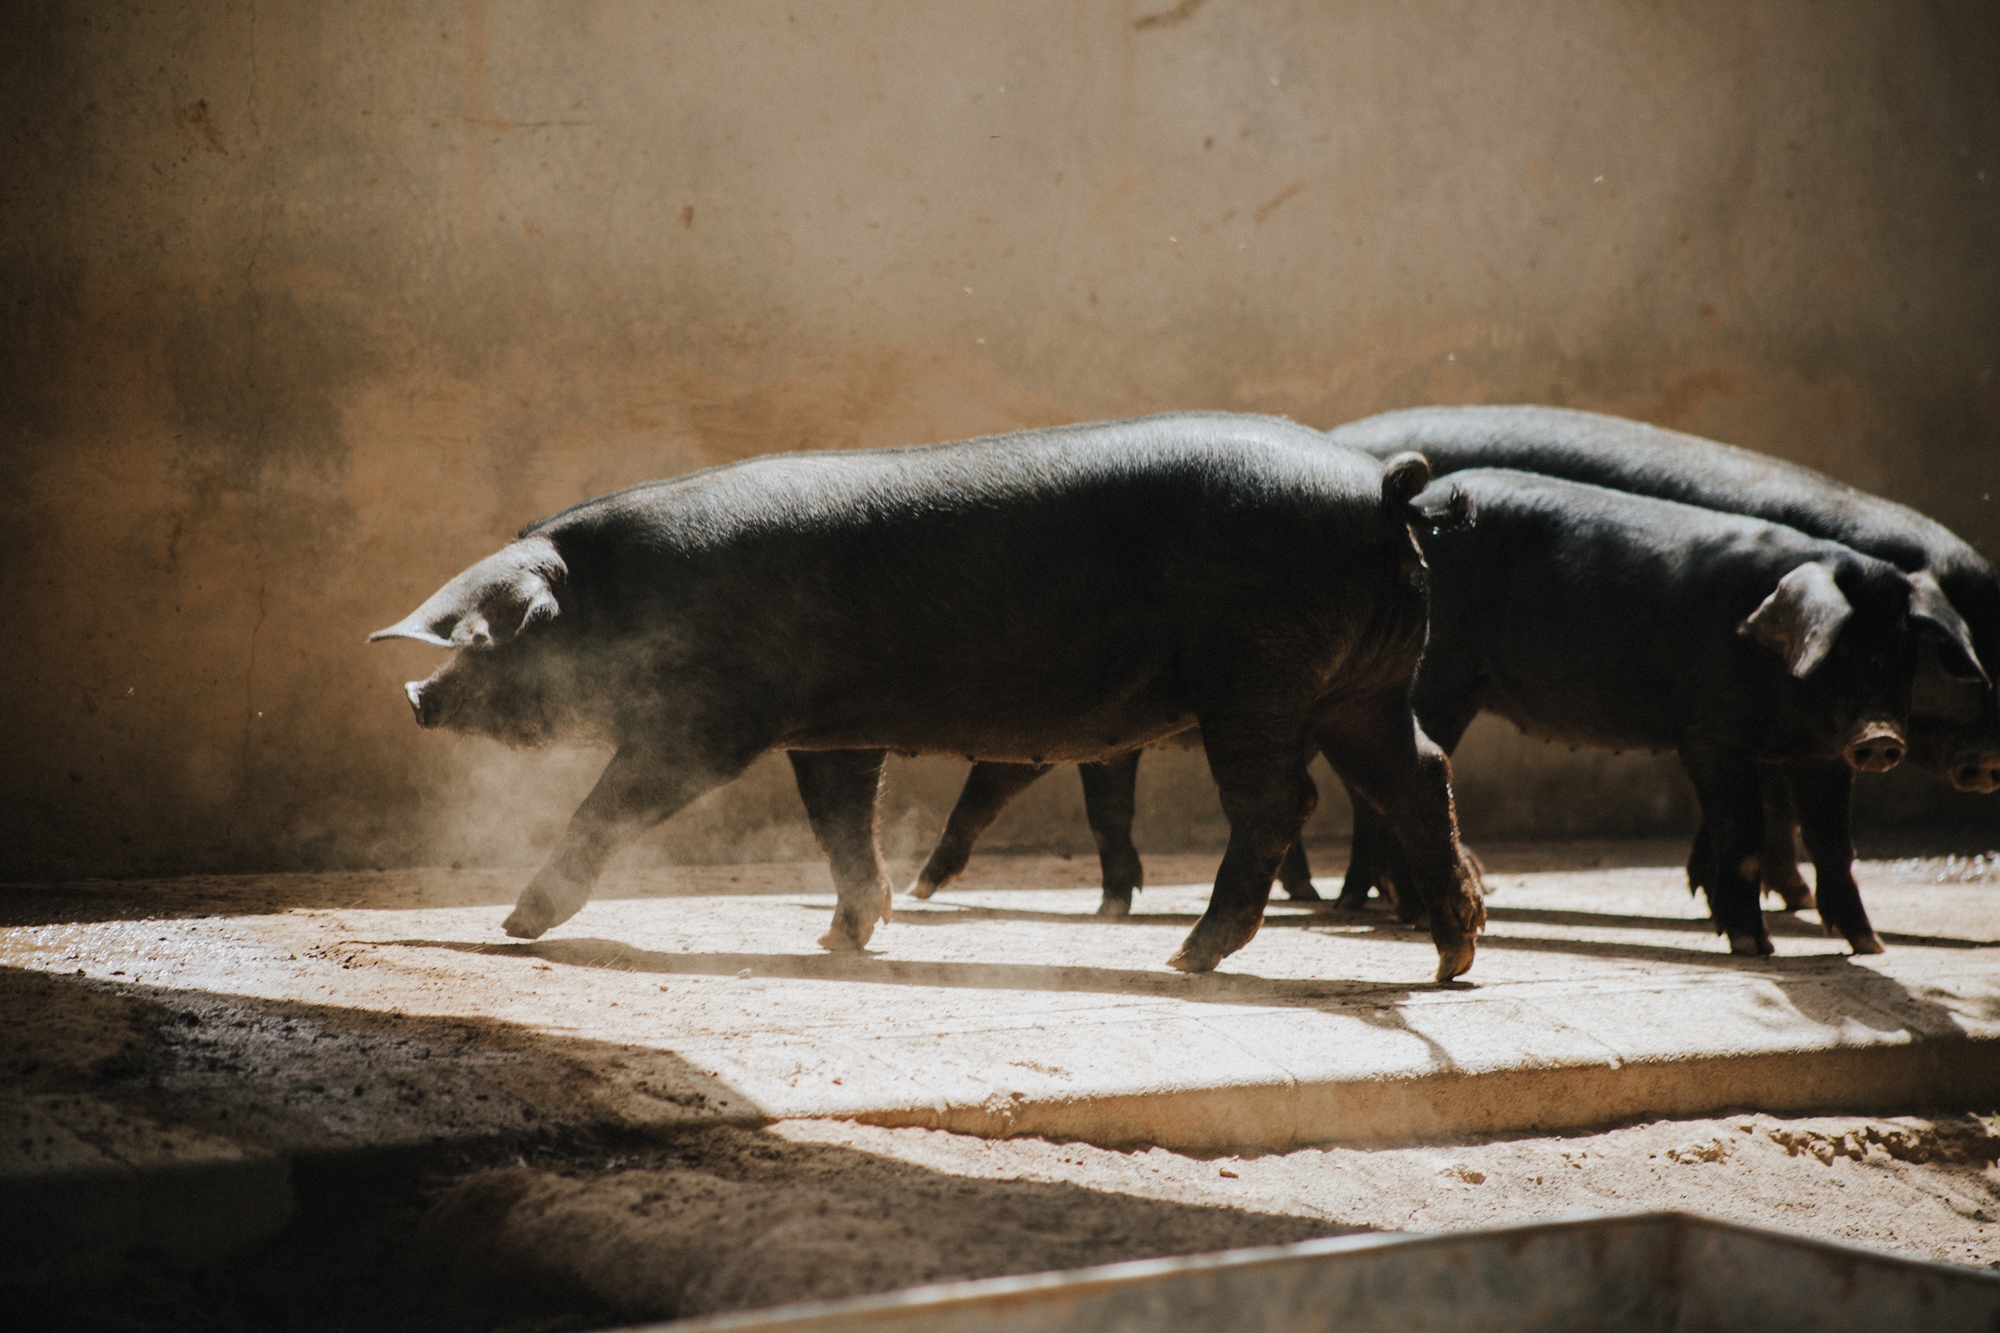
pixel 511 677
pixel 1851 634
pixel 1955 719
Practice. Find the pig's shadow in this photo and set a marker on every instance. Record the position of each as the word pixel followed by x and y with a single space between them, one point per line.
pixel 1830 989
pixel 1371 1002
pixel 1833 990
pixel 1782 925
pixel 877 969
pixel 1292 914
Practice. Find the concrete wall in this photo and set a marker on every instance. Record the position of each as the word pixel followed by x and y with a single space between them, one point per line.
pixel 310 305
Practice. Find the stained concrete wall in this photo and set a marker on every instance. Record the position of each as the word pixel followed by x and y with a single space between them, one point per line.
pixel 310 305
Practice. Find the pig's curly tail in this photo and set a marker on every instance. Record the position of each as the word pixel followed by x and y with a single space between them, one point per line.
pixel 1407 494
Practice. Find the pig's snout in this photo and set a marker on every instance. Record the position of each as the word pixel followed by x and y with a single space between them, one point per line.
pixel 1877 747
pixel 1978 772
pixel 414 691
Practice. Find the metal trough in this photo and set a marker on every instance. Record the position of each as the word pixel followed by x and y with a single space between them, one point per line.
pixel 1640 1273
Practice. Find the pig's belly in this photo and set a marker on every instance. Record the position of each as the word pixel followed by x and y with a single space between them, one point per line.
pixel 1585 724
pixel 1013 730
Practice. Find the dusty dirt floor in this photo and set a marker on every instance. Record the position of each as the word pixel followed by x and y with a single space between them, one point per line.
pixel 574 1232
pixel 577 1232
pixel 539 1204
pixel 891 1208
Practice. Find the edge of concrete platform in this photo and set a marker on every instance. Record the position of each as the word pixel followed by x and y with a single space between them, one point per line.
pixel 1944 1072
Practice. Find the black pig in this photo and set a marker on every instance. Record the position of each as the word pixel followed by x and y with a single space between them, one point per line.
pixel 1059 594
pixel 1955 714
pixel 1615 621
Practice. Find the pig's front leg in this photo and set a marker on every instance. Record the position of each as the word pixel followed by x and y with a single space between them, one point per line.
pixel 988 788
pixel 1728 859
pixel 639 787
pixel 1110 800
pixel 1824 792
pixel 840 789
pixel 1780 871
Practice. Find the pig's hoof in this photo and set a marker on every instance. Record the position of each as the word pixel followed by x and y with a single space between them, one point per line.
pixel 842 939
pixel 533 915
pixel 1745 945
pixel 851 927
pixel 523 927
pixel 1114 907
pixel 1191 960
pixel 1869 942
pixel 1454 960
pixel 1795 895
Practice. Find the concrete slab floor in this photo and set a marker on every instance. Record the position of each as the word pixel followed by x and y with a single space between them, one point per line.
pixel 226 1034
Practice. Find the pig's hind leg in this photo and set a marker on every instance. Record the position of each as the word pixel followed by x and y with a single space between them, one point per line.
pixel 642 785
pixel 1365 867
pixel 1444 711
pixel 1387 760
pixel 1110 803
pixel 1374 862
pixel 840 789
pixel 1266 795
pixel 988 788
pixel 1295 875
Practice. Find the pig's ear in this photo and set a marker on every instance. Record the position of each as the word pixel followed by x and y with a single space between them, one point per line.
pixel 1801 619
pixel 490 603
pixel 507 609
pixel 1939 619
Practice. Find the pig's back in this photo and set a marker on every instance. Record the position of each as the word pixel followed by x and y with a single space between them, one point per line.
pixel 1219 460
pixel 1632 456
